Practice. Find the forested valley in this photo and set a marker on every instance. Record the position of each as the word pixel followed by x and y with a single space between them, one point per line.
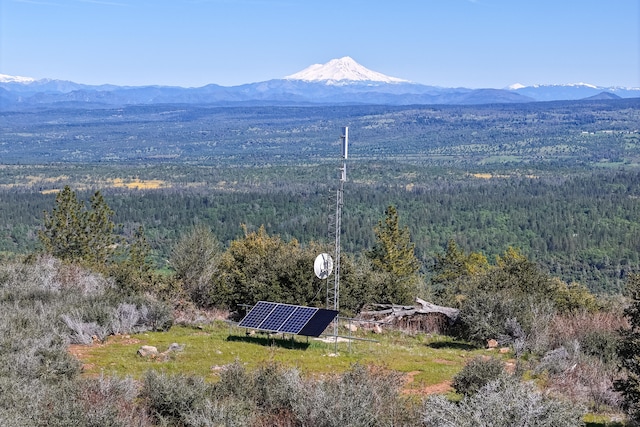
pixel 582 226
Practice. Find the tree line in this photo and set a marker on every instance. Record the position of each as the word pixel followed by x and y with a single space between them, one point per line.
pixel 581 227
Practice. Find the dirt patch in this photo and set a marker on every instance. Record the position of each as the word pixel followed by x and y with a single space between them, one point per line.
pixel 440 388
pixel 80 351
pixel 443 387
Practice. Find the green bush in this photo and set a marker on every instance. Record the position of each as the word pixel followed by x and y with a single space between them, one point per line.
pixel 506 402
pixel 600 344
pixel 361 397
pixel 476 374
pixel 274 387
pixel 484 315
pixel 170 398
pixel 234 382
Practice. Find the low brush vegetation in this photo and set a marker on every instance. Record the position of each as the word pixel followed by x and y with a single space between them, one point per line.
pixel 73 317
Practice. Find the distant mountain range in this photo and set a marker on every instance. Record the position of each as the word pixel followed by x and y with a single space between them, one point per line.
pixel 339 81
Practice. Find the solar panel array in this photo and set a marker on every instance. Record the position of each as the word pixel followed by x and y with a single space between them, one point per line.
pixel 287 318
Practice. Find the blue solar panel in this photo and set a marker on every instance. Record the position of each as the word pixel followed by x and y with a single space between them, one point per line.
pixel 298 319
pixel 277 317
pixel 318 323
pixel 287 318
pixel 258 314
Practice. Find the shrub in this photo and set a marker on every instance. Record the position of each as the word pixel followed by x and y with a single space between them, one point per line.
pixel 110 401
pixel 158 315
pixel 576 326
pixel 484 315
pixel 234 382
pixel 506 402
pixel 361 397
pixel 476 374
pixel 141 314
pixel 83 332
pixel 600 344
pixel 274 387
pixel 227 412
pixel 271 387
pixel 125 318
pixel 580 377
pixel 561 359
pixel 103 401
pixel 170 398
pixel 194 259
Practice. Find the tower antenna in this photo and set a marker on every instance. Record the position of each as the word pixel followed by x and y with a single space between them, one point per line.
pixel 333 292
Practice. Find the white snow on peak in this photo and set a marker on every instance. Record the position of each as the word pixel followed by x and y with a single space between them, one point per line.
pixel 567 85
pixel 4 78
pixel 584 85
pixel 340 70
pixel 517 86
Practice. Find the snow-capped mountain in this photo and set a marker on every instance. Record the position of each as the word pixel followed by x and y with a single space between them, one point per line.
pixel 339 81
pixel 342 70
pixel 4 78
pixel 571 91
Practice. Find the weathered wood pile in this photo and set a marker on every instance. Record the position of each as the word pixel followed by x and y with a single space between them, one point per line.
pixel 424 316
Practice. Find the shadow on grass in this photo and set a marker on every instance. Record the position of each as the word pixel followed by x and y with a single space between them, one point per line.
pixel 268 341
pixel 454 345
pixel 603 424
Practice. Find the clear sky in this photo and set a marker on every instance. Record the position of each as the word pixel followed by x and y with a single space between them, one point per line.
pixel 450 43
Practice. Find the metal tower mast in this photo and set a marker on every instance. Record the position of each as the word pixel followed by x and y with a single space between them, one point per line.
pixel 335 226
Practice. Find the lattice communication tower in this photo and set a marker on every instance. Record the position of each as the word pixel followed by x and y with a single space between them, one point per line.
pixel 335 225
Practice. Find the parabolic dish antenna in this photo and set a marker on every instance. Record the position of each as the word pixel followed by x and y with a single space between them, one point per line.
pixel 323 266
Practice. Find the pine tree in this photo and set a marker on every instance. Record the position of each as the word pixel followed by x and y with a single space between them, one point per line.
pixel 101 241
pixel 628 351
pixel 65 231
pixel 74 233
pixel 139 252
pixel 394 254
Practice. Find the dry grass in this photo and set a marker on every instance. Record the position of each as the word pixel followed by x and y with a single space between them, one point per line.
pixel 571 327
pixel 31 181
pixel 139 184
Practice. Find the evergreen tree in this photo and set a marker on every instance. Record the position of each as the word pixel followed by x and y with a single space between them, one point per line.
pixel 628 351
pixel 73 233
pixel 64 235
pixel 265 267
pixel 453 270
pixel 394 254
pixel 101 240
pixel 139 252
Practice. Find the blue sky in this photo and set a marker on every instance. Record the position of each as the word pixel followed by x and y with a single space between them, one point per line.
pixel 450 43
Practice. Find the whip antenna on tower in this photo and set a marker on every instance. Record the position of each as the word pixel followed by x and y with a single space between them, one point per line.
pixel 335 225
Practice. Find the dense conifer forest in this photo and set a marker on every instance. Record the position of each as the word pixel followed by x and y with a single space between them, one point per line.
pixel 580 225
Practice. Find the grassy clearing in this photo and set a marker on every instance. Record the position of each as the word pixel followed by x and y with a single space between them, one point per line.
pixel 430 360
pixel 139 184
